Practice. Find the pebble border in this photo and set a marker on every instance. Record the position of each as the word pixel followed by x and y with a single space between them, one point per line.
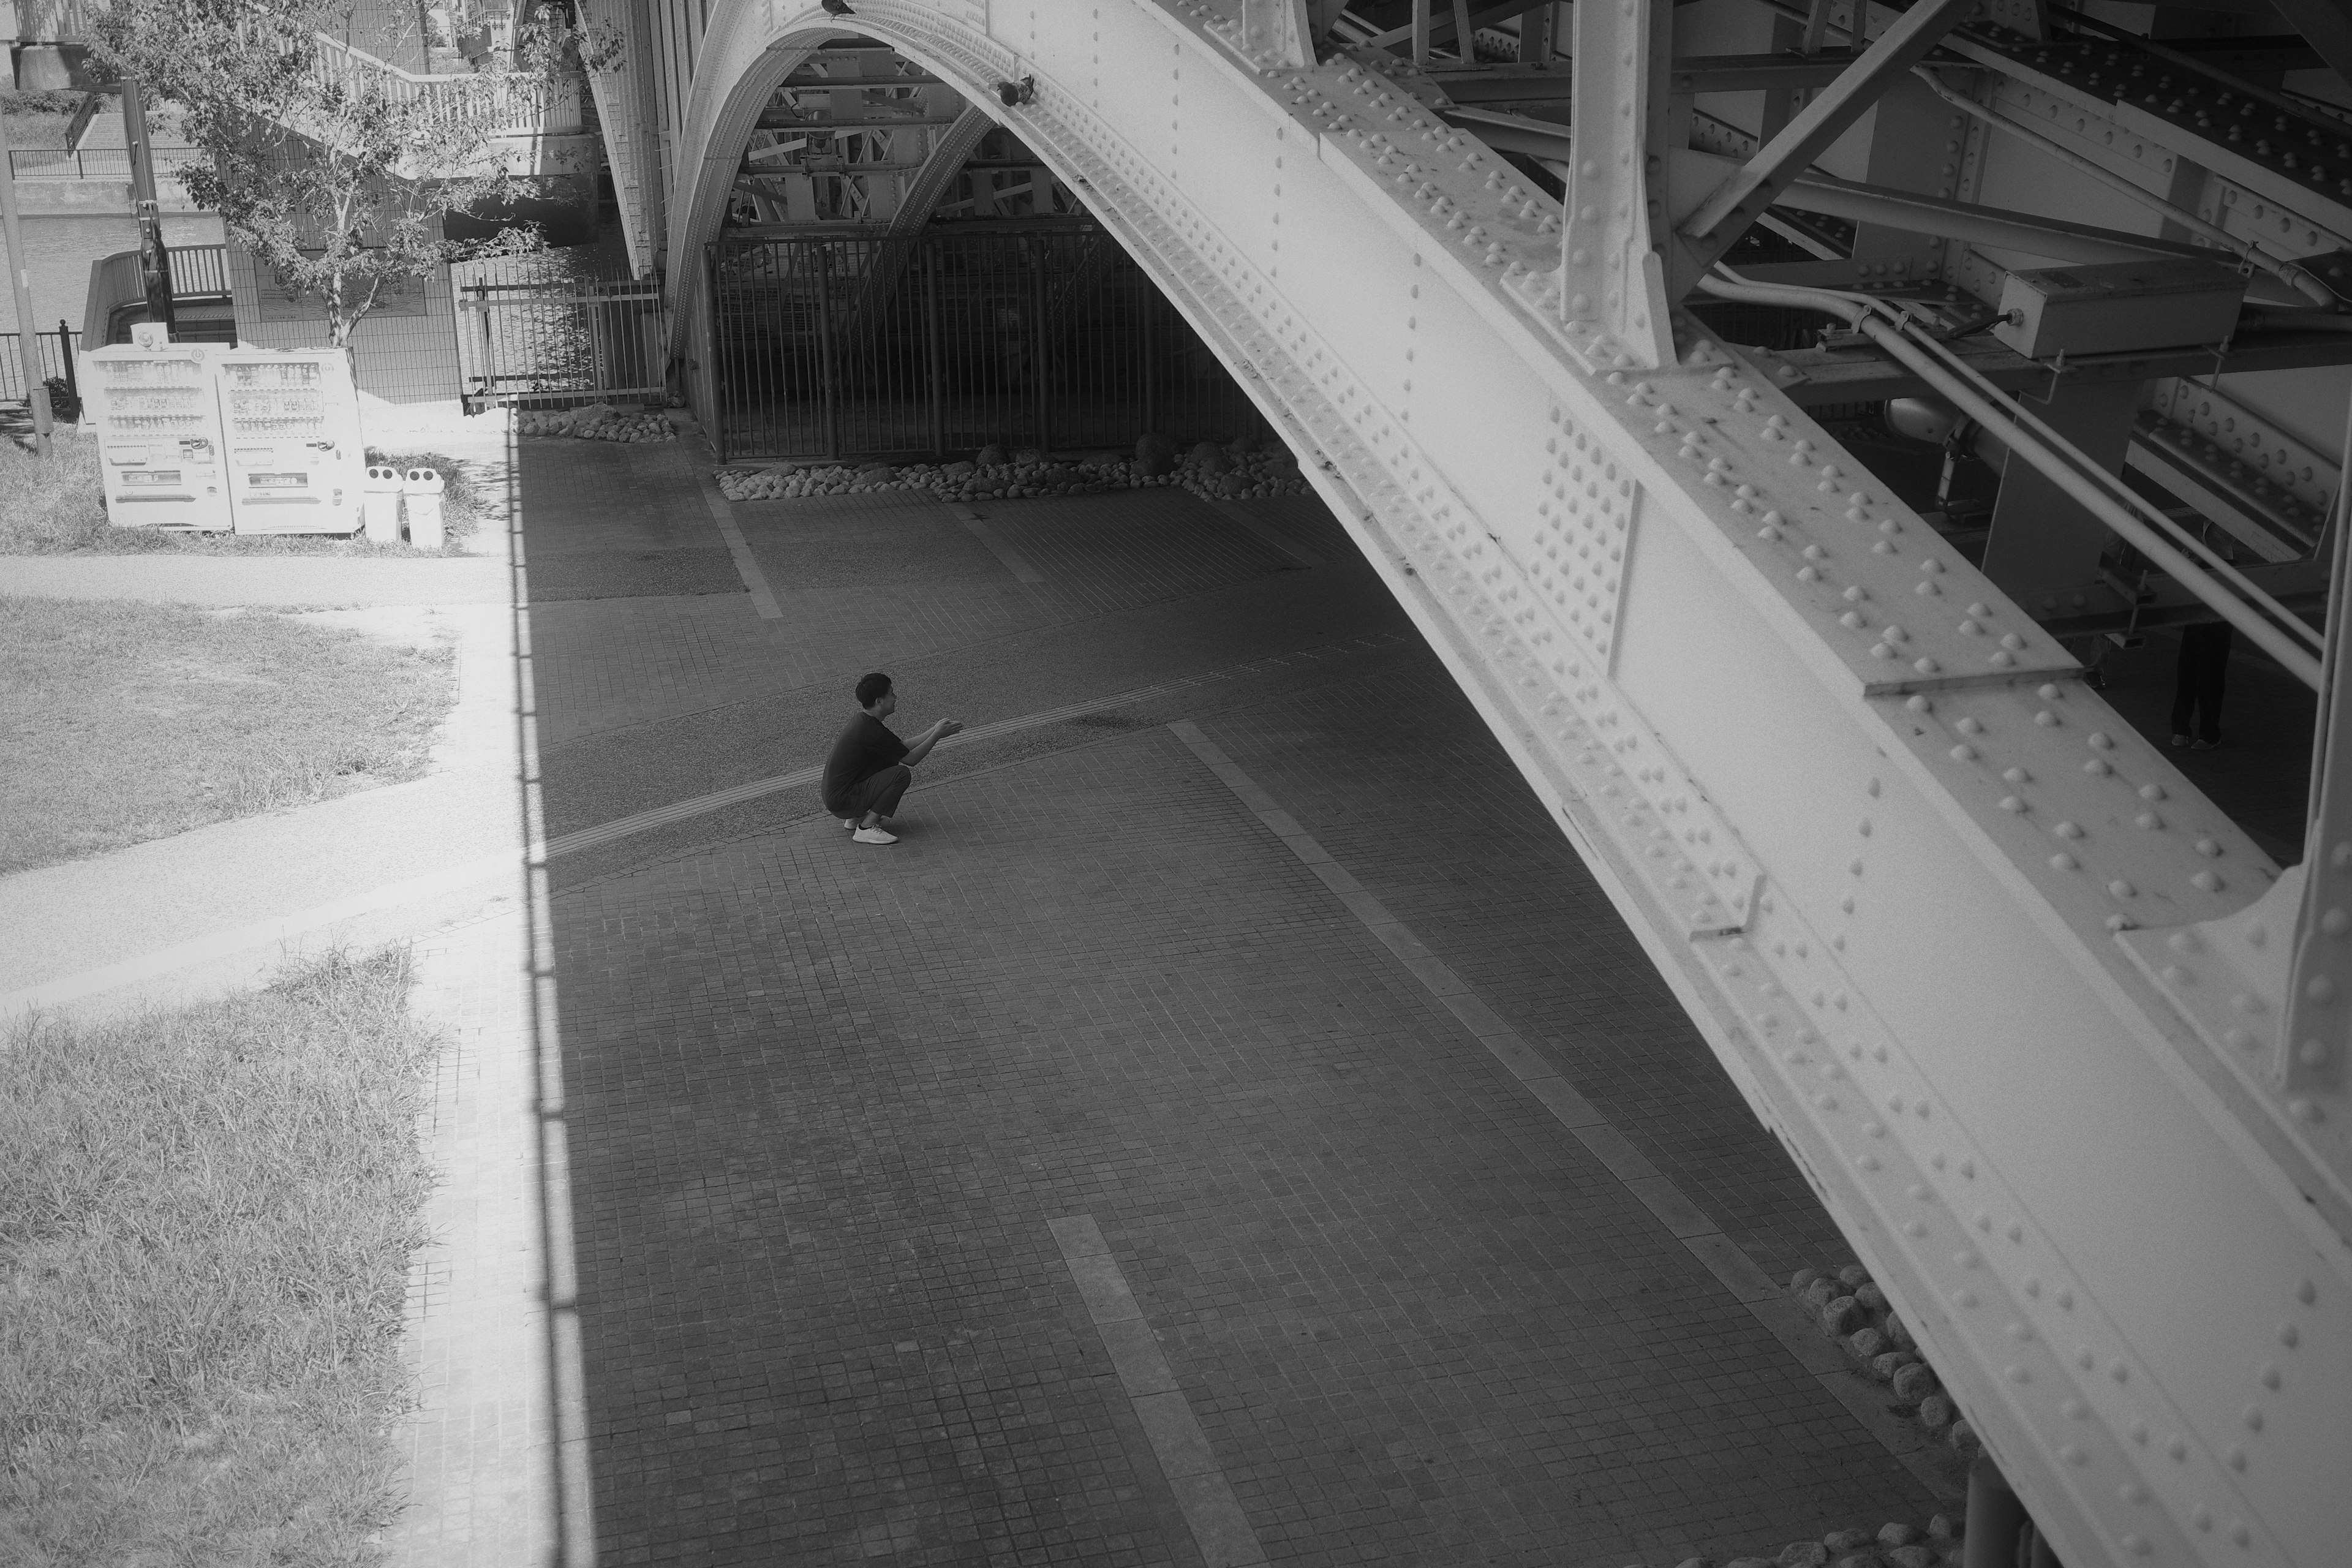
pixel 1238 472
pixel 1847 1308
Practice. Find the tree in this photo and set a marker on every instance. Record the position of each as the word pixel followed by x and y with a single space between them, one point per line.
pixel 336 173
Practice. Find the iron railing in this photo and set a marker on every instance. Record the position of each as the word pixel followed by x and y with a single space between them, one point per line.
pixel 842 344
pixel 519 104
pixel 56 362
pixel 562 341
pixel 53 21
pixel 118 296
pixel 96 163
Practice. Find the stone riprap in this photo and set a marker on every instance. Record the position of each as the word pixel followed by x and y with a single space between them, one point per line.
pixel 1850 1308
pixel 1213 473
pixel 1895 1546
pixel 599 422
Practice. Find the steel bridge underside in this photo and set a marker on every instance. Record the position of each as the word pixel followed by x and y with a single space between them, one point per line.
pixel 1934 904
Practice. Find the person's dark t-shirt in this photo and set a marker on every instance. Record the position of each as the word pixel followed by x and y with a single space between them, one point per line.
pixel 865 749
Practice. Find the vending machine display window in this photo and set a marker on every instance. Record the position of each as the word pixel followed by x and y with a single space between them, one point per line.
pixel 296 458
pixel 157 423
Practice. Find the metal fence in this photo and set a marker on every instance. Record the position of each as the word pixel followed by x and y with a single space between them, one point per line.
pixel 96 163
pixel 853 346
pixel 547 342
pixel 117 296
pixel 53 21
pixel 55 350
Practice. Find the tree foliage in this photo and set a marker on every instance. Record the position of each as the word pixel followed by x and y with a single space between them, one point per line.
pixel 334 172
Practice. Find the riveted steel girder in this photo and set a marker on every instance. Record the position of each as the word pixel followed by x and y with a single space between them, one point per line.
pixel 1863 814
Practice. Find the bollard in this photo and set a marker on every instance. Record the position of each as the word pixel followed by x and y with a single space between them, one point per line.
pixel 421 489
pixel 382 504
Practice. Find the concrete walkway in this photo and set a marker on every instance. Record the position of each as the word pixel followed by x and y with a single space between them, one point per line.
pixel 214 908
pixel 168 578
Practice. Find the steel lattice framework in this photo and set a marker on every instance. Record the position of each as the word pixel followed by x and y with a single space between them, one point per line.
pixel 1941 913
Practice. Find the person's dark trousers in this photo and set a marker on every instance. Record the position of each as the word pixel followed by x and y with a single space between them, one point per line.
pixel 2196 682
pixel 881 793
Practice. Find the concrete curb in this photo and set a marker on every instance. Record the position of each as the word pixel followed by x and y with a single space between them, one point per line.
pixel 171 578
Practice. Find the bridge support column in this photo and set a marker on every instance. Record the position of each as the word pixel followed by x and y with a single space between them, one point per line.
pixel 1995 1519
pixel 2044 549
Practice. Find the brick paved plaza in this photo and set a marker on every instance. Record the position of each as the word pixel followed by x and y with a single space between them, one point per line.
pixel 1230 1126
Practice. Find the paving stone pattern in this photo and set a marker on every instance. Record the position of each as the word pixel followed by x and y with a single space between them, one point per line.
pixel 825 1100
pixel 784 720
pixel 1106 553
pixel 1430 815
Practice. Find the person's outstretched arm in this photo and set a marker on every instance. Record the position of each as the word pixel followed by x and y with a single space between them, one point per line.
pixel 927 739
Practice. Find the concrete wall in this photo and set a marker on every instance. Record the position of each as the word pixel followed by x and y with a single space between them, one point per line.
pixel 69 224
pixel 403 352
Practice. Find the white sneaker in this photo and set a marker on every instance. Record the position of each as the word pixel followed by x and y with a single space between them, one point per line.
pixel 873 836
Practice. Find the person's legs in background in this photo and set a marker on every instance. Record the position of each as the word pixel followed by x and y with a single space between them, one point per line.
pixel 2213 672
pixel 2197 680
pixel 2184 687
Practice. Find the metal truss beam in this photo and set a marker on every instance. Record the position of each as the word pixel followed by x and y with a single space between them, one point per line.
pixel 1717 222
pixel 1863 812
pixel 2031 233
pixel 1444 26
pixel 2326 26
pixel 864 120
pixel 1691 73
pixel 1860 374
pixel 2049 239
pixel 949 156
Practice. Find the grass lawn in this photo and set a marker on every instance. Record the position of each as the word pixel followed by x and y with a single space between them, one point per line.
pixel 206 1219
pixel 50 508
pixel 130 721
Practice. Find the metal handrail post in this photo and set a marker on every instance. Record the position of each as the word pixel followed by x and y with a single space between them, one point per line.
pixel 66 359
pixel 1036 251
pixel 1144 298
pixel 931 347
pixel 20 271
pixel 716 421
pixel 828 392
pixel 154 256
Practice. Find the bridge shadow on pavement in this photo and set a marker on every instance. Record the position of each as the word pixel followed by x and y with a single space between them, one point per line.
pixel 841 1119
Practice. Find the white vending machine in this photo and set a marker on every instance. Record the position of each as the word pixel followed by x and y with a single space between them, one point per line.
pixel 158 424
pixel 297 463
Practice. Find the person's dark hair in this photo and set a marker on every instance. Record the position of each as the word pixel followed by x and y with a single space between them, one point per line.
pixel 871 687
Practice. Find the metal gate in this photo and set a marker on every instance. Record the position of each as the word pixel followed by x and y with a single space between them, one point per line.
pixel 849 344
pixel 562 341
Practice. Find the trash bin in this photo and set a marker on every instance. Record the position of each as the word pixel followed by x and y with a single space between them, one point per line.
pixel 421 490
pixel 382 505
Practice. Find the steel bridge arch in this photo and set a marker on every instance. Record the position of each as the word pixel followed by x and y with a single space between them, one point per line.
pixel 1908 874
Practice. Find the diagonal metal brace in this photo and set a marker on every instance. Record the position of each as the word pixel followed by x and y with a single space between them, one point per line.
pixel 1725 214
